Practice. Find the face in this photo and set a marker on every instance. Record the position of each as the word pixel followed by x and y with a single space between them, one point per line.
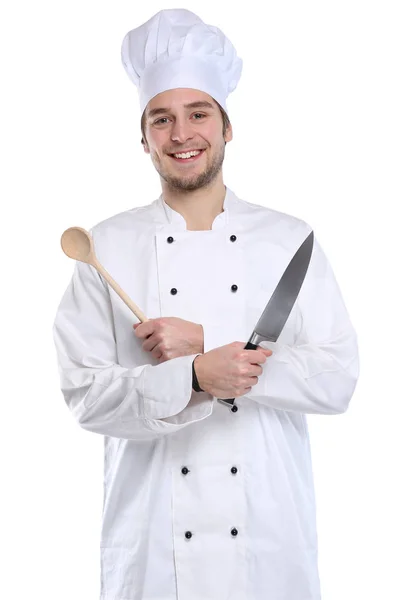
pixel 182 121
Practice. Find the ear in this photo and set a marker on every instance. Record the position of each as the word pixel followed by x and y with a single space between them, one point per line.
pixel 228 133
pixel 145 146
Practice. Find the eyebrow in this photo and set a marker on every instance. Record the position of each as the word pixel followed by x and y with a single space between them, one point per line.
pixel 199 104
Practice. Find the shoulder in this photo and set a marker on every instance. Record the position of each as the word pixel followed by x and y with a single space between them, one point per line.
pixel 132 223
pixel 276 225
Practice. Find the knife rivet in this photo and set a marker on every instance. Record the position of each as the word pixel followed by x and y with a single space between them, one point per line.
pixel 234 288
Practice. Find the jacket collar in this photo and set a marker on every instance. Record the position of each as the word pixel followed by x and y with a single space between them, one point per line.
pixel 176 220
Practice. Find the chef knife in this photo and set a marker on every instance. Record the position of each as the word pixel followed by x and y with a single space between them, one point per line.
pixel 279 306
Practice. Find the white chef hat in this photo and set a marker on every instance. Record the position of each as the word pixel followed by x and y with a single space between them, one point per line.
pixel 175 49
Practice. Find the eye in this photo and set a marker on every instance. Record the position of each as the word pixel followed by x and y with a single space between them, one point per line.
pixel 198 115
pixel 159 121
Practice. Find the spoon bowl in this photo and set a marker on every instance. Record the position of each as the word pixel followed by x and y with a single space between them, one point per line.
pixel 77 243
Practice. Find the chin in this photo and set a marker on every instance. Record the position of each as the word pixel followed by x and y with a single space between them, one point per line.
pixel 179 181
pixel 192 183
pixel 184 184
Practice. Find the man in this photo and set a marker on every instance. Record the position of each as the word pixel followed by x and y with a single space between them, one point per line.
pixel 201 501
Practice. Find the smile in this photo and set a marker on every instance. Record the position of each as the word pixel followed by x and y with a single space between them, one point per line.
pixel 187 157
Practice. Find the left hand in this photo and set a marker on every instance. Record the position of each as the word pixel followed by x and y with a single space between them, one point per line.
pixel 170 337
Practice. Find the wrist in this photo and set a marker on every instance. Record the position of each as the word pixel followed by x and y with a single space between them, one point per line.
pixel 200 342
pixel 196 386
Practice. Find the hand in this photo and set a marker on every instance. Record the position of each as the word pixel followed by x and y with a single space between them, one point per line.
pixel 170 337
pixel 230 371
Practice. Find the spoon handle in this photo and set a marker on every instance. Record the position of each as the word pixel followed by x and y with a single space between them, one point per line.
pixel 118 290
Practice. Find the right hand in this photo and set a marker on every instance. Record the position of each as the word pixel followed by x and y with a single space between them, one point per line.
pixel 230 371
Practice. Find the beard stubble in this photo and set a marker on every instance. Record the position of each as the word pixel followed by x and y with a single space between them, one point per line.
pixel 196 182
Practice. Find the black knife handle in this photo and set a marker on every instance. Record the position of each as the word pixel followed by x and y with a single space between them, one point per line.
pixel 250 346
pixel 231 401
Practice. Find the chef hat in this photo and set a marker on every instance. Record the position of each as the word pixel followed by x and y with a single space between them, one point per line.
pixel 175 49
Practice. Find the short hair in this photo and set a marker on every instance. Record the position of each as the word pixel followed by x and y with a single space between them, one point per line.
pixel 225 122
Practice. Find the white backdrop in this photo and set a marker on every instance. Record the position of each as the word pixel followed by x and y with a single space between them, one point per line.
pixel 316 134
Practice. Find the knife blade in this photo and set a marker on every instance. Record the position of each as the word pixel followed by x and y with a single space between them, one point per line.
pixel 279 306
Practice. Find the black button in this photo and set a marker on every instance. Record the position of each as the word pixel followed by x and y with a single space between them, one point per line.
pixel 234 532
pixel 234 470
pixel 234 408
pixel 185 471
pixel 234 288
pixel 188 535
pixel 170 240
pixel 233 238
pixel 174 291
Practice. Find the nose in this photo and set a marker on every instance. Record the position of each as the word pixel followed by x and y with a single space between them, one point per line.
pixel 181 131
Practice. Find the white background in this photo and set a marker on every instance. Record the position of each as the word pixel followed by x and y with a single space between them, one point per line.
pixel 316 134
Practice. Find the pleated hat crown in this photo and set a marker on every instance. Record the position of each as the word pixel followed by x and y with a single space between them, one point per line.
pixel 176 49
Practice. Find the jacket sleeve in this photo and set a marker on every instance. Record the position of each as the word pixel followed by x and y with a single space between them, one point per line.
pixel 140 403
pixel 317 374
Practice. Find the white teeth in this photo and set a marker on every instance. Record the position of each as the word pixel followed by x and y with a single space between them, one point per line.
pixel 188 154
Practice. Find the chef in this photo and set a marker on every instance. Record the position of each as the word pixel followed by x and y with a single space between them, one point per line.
pixel 202 501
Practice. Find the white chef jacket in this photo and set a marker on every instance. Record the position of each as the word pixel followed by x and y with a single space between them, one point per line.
pixel 200 502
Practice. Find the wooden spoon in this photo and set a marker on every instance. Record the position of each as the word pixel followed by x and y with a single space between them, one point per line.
pixel 77 243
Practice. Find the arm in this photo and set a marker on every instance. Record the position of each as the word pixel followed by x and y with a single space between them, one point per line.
pixel 141 403
pixel 319 373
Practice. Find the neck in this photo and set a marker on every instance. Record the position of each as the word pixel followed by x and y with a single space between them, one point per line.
pixel 198 207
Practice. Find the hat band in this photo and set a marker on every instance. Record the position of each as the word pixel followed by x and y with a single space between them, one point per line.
pixel 188 72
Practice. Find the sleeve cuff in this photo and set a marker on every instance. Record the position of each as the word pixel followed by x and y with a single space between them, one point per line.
pixel 168 393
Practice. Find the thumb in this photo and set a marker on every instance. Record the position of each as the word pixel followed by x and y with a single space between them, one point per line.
pixel 266 351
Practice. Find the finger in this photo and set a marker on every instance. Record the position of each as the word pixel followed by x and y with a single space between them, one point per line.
pixel 266 351
pixel 150 343
pixel 158 354
pixel 256 357
pixel 256 371
pixel 143 330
